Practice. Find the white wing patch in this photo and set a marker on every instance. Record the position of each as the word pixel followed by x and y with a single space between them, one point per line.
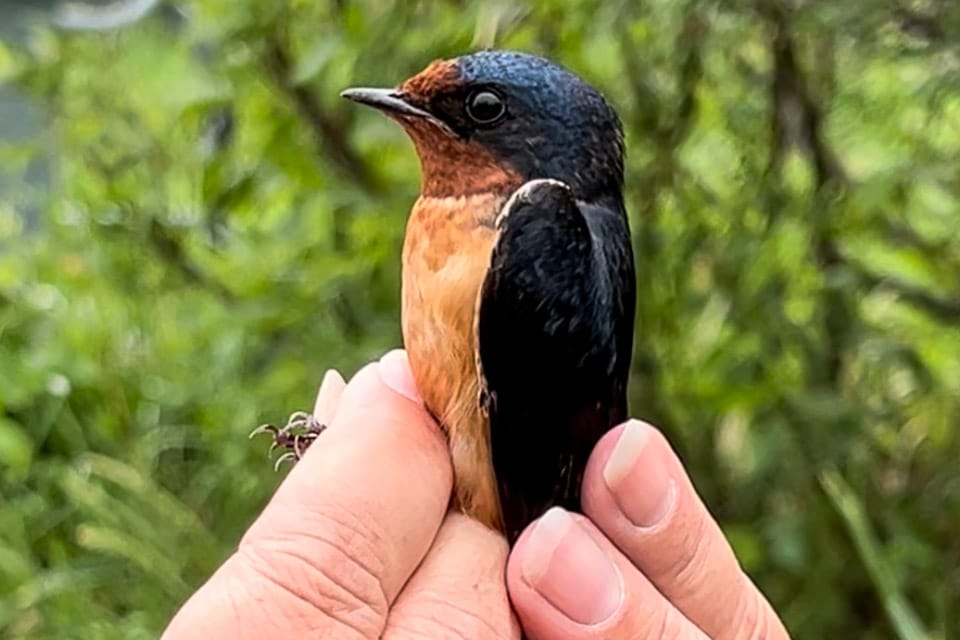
pixel 524 194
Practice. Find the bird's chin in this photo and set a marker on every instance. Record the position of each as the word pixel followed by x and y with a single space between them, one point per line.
pixel 422 127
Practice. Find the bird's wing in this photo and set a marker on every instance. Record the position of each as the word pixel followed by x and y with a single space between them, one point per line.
pixel 554 338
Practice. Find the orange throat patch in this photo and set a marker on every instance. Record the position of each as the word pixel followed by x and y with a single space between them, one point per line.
pixel 452 167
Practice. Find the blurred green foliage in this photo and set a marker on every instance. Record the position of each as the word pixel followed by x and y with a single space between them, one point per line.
pixel 208 227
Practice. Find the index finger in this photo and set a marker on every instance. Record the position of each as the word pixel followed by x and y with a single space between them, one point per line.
pixel 637 492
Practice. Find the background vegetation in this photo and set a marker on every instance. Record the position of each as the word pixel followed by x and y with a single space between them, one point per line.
pixel 193 227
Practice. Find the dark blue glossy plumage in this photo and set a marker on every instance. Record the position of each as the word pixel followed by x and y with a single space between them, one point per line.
pixel 558 126
pixel 554 336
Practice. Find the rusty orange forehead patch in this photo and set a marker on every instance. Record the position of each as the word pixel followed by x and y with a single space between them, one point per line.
pixel 439 75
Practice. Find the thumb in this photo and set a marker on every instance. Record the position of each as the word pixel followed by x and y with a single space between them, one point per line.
pixel 347 527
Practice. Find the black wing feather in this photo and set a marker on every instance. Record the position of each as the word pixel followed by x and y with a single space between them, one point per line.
pixel 555 336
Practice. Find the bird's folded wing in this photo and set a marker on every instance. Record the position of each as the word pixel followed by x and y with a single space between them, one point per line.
pixel 554 333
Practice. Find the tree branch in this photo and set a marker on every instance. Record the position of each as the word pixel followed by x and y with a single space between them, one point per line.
pixel 169 248
pixel 328 133
pixel 944 309
pixel 797 121
pixel 690 41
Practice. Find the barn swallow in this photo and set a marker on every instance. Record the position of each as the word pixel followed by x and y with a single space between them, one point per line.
pixel 518 285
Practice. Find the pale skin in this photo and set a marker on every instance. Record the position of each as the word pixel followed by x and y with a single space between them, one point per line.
pixel 358 543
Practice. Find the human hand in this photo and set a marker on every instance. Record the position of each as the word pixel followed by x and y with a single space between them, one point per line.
pixel 646 561
pixel 357 542
pixel 337 552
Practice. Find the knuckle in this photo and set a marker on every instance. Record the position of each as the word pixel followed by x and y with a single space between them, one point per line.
pixel 694 550
pixel 748 621
pixel 438 616
pixel 335 574
pixel 667 625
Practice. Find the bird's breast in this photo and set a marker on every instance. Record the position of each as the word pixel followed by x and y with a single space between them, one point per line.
pixel 446 254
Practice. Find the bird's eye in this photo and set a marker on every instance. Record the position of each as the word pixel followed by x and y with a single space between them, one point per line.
pixel 485 107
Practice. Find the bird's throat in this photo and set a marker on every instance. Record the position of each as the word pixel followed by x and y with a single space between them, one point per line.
pixel 453 167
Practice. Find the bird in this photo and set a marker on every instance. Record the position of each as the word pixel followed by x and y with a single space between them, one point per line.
pixel 518 286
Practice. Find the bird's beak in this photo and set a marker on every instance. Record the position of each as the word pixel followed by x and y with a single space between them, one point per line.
pixel 389 100
pixel 392 103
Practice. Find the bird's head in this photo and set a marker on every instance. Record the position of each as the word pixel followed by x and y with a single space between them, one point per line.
pixel 490 121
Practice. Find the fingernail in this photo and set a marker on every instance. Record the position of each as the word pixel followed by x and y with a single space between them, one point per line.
pixel 395 373
pixel 565 566
pixel 328 397
pixel 638 478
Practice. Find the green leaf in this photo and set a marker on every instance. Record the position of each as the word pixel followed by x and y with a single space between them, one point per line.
pixel 16 450
pixel 316 58
pixel 8 66
pixel 902 617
